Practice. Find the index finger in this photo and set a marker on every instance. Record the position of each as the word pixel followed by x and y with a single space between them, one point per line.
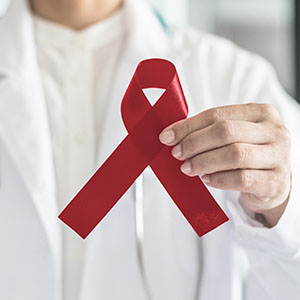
pixel 251 112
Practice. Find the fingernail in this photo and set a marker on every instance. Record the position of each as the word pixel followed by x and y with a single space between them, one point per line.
pixel 167 137
pixel 176 151
pixel 206 178
pixel 186 167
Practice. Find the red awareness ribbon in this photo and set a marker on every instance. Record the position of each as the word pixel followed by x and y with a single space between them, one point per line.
pixel 140 148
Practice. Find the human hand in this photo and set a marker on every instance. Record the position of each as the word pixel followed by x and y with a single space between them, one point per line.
pixel 240 147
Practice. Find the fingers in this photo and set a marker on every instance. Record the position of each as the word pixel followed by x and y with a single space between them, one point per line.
pixel 259 188
pixel 261 205
pixel 241 147
pixel 261 183
pixel 245 112
pixel 234 156
pixel 221 134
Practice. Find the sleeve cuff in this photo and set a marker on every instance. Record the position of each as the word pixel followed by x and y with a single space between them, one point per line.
pixel 246 215
pixel 283 238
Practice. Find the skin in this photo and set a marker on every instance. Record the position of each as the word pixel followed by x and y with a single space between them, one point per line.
pixel 245 148
pixel 75 14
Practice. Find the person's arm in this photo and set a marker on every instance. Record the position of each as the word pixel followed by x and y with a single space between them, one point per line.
pixel 246 147
pixel 274 253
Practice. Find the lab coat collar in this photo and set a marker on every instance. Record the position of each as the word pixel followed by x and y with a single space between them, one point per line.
pixel 16 38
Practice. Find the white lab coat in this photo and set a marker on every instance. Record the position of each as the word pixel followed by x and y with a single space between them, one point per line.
pixel 239 260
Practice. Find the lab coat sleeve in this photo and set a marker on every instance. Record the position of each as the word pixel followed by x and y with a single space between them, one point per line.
pixel 273 253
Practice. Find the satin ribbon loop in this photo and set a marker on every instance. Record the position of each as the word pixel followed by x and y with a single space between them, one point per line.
pixel 154 73
pixel 140 148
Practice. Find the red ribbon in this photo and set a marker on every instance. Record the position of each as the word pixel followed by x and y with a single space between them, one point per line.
pixel 140 148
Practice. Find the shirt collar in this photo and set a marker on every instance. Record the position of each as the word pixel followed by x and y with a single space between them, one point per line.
pixel 99 34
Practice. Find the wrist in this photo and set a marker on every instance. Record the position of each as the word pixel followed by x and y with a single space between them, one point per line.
pixel 271 217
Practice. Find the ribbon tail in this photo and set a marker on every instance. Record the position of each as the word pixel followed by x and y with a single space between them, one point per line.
pixel 104 188
pixel 189 194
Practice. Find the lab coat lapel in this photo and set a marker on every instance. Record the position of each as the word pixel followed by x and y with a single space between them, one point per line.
pixel 23 118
